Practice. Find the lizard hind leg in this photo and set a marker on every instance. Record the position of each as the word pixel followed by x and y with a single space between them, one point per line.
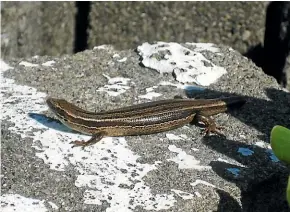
pixel 94 139
pixel 210 125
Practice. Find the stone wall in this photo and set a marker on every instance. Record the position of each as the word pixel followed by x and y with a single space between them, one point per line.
pixel 47 28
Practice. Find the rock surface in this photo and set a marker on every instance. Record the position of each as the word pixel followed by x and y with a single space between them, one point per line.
pixel 37 28
pixel 126 24
pixel 47 28
pixel 179 170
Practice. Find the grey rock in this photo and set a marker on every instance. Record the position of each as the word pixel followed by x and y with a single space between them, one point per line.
pixel 77 79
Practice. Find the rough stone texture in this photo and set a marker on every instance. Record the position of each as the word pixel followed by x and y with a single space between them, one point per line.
pixel 127 24
pixel 46 28
pixel 287 70
pixel 36 28
pixel 260 185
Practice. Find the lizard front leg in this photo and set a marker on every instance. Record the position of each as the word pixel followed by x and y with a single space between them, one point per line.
pixel 94 139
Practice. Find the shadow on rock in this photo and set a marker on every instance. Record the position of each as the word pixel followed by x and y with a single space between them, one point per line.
pixel 261 179
pixel 50 122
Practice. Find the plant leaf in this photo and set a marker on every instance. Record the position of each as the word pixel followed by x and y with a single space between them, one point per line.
pixel 280 143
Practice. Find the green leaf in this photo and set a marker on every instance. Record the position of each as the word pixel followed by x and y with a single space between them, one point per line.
pixel 280 143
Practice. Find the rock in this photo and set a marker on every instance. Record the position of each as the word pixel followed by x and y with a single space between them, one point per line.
pixel 180 170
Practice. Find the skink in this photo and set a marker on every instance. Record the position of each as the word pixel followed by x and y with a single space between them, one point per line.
pixel 140 119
